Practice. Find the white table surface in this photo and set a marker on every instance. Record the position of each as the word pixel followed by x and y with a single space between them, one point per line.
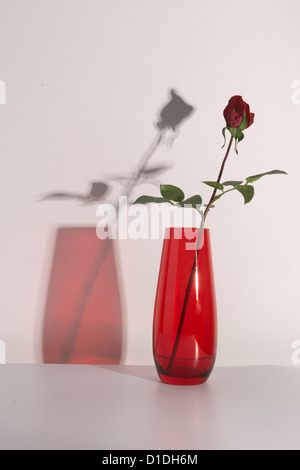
pixel 128 408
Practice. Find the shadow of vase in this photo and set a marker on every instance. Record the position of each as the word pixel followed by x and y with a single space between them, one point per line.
pixel 83 321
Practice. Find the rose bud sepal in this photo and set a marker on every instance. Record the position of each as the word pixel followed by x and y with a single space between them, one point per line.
pixel 236 132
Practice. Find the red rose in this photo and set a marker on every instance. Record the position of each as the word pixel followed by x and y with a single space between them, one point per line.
pixel 235 111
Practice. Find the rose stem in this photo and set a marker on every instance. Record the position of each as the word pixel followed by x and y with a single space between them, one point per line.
pixel 218 180
pixel 181 322
pixel 191 278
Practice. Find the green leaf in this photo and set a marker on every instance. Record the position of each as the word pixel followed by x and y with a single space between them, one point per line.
pixel 194 201
pixel 214 184
pixel 253 178
pixel 244 123
pixel 247 191
pixel 170 192
pixel 149 199
pixel 232 183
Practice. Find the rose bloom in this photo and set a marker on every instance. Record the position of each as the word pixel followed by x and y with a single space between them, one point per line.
pixel 235 110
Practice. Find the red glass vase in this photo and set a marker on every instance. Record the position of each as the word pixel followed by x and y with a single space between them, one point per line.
pixel 185 316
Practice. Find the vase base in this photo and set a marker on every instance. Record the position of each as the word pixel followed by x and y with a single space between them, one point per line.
pixel 167 379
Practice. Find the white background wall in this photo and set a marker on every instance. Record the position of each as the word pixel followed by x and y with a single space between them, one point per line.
pixel 85 79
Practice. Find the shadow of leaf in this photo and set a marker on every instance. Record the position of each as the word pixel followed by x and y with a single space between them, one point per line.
pixel 63 196
pixel 96 192
pixel 155 171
